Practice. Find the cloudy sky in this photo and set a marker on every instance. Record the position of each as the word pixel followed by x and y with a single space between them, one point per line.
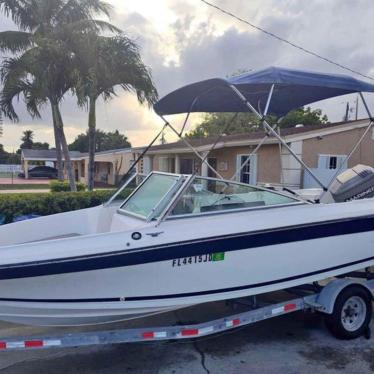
pixel 184 41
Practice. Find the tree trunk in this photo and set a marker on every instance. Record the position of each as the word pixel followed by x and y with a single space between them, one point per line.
pixel 91 142
pixel 58 148
pixel 65 149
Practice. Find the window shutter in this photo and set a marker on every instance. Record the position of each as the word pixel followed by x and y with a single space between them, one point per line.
pixel 253 179
pixel 323 161
pixel 340 162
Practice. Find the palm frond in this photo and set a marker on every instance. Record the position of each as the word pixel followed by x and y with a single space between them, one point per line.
pixel 96 7
pixel 11 90
pixel 75 10
pixel 15 41
pixel 94 25
pixel 21 12
pixel 111 62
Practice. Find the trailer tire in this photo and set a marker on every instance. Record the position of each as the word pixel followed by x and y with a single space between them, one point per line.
pixel 351 315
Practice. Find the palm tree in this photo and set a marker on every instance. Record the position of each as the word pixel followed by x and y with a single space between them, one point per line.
pixel 41 74
pixel 45 25
pixel 27 139
pixel 105 63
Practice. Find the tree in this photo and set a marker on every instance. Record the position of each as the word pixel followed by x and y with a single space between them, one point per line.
pixel 114 140
pixel 4 155
pixel 105 141
pixel 27 140
pixel 40 146
pixel 104 64
pixel 304 116
pixel 214 123
pixel 42 68
pixel 80 143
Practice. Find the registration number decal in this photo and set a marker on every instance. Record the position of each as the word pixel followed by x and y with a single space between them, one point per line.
pixel 209 257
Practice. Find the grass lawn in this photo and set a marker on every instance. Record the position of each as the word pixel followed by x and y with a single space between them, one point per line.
pixel 24 186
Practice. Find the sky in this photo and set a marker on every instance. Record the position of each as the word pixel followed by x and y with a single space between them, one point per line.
pixel 183 41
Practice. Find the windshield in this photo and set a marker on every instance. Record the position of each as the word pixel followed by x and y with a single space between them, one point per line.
pixel 210 195
pixel 127 188
pixel 150 198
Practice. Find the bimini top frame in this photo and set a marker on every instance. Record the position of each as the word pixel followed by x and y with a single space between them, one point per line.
pixel 272 90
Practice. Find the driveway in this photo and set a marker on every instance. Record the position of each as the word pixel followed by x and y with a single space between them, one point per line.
pixel 295 343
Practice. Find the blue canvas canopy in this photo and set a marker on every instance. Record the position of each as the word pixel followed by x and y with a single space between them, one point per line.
pixel 293 89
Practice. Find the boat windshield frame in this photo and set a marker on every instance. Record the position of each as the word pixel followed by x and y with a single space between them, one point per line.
pixel 155 211
pixel 164 207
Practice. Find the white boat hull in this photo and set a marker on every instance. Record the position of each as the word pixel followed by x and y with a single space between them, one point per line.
pixel 124 292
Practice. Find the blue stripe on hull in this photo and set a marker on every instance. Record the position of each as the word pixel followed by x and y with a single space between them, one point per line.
pixel 199 293
pixel 176 250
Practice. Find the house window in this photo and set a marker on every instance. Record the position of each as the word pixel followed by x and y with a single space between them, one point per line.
pixel 331 162
pixel 245 174
pixel 248 172
pixel 186 165
pixel 164 164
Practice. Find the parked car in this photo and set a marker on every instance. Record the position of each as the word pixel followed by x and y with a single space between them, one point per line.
pixel 41 172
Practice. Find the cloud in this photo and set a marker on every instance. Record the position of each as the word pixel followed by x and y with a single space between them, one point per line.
pixel 185 41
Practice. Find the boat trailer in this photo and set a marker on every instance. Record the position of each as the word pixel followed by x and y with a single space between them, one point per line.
pixel 346 303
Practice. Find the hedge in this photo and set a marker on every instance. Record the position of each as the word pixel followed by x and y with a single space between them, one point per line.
pixel 64 186
pixel 13 205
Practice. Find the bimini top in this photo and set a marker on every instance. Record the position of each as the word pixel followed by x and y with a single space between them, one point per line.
pixel 293 89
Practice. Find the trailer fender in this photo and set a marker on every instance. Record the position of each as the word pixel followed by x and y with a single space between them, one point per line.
pixel 327 297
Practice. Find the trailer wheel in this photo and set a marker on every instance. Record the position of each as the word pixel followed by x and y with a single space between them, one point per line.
pixel 351 315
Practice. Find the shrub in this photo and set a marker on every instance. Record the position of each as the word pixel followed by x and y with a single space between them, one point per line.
pixel 64 186
pixel 13 205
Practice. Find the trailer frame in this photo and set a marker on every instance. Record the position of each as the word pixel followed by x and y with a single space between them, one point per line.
pixel 313 298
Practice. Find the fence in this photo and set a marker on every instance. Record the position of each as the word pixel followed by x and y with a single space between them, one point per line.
pixel 10 168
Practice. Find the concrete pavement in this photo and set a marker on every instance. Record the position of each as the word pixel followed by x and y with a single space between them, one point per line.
pixel 296 343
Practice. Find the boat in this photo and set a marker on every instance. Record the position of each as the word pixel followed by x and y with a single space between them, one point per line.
pixel 167 241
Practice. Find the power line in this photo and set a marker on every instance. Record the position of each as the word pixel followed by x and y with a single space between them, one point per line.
pixel 285 40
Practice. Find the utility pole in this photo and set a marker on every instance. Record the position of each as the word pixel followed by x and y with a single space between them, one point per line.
pixel 346 117
pixel 356 116
pixel 162 139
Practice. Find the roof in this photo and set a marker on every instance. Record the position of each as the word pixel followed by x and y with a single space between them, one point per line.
pixel 257 136
pixel 292 89
pixel 50 154
pixel 119 150
pixel 46 154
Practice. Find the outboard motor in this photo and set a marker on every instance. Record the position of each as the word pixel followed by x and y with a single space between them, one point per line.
pixel 353 184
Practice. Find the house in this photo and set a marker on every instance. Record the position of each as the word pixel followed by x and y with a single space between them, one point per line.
pixel 323 148
pixel 109 165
